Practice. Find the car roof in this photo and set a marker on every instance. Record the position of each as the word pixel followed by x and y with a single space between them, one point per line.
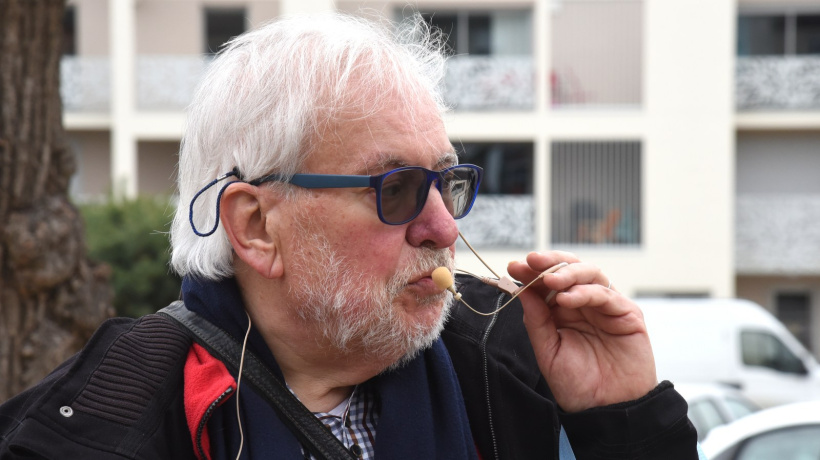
pixel 795 414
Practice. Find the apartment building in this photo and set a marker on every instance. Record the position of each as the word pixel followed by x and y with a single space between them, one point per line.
pixel 670 142
pixel 777 126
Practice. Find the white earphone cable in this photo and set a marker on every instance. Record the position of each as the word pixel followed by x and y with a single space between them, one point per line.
pixel 238 383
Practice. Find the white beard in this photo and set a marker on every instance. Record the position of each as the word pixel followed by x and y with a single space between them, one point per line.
pixel 355 313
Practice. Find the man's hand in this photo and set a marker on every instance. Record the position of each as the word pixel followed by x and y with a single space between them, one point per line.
pixel 590 341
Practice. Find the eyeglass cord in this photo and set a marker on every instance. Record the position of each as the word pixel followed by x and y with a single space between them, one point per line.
pixel 233 172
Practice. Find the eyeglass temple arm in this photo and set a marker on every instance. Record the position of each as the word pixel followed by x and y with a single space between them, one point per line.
pixel 320 180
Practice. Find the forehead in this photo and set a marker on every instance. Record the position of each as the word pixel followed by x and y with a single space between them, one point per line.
pixel 393 136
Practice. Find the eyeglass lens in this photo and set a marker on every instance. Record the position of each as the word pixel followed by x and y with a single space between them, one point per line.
pixel 404 192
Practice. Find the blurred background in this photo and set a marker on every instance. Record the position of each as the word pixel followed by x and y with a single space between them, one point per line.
pixel 674 143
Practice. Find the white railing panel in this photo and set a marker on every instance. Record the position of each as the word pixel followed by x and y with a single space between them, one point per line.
pixel 167 82
pixel 490 83
pixel 777 234
pixel 85 83
pixel 777 82
pixel 499 221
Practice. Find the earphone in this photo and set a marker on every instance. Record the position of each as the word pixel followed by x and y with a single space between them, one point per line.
pixel 238 383
pixel 443 279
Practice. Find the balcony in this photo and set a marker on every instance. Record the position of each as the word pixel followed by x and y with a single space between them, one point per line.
pixel 163 82
pixel 777 234
pixel 479 83
pixel 85 83
pixel 167 82
pixel 777 83
pixel 500 221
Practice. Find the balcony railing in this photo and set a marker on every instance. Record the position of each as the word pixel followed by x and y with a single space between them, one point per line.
pixel 500 221
pixel 490 83
pixel 777 234
pixel 163 82
pixel 778 82
pixel 85 83
pixel 167 82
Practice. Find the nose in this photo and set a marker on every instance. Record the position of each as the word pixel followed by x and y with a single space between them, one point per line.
pixel 434 227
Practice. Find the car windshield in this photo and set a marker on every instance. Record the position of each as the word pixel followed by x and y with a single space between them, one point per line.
pixel 740 407
pixel 792 443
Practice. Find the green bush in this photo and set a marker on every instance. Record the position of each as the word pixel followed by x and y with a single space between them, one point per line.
pixel 132 237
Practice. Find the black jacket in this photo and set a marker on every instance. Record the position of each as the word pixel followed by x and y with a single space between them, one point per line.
pixel 511 410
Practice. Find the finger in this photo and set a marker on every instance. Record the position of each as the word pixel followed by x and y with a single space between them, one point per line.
pixel 540 261
pixel 537 262
pixel 540 324
pixel 576 274
pixel 603 308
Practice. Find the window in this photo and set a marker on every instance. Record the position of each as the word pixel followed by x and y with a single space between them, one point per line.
pixel 596 193
pixel 808 34
pixel 502 216
pixel 765 350
pixel 448 25
pixel 70 31
pixel 794 442
pixel 466 32
pixel 778 34
pixel 221 25
pixel 507 166
pixel 794 311
pixel 739 407
pixel 479 33
pixel 705 416
pixel 761 35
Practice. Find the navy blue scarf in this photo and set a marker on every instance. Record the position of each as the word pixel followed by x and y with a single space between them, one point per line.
pixel 422 410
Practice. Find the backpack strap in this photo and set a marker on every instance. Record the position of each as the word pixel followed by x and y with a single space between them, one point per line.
pixel 310 432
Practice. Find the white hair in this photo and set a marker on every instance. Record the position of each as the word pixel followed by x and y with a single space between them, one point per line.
pixel 263 101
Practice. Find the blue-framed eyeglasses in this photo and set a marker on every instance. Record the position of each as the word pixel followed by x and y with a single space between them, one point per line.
pixel 402 192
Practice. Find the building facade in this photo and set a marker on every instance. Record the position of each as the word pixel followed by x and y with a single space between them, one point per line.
pixel 646 136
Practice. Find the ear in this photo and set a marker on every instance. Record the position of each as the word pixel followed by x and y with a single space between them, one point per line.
pixel 244 214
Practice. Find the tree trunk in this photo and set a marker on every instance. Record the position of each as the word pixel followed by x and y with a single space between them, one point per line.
pixel 51 297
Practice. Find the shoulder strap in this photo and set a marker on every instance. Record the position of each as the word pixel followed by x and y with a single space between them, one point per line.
pixel 310 432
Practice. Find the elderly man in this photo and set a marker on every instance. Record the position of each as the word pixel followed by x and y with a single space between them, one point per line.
pixel 318 193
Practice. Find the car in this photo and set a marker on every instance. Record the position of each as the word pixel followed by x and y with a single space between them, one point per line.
pixel 712 405
pixel 788 432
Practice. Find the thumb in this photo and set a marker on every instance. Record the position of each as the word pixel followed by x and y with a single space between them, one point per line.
pixel 541 327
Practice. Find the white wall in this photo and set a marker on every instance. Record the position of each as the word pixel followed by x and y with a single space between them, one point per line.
pixel 690 145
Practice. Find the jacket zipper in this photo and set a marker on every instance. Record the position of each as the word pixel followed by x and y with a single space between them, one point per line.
pixel 487 376
pixel 204 421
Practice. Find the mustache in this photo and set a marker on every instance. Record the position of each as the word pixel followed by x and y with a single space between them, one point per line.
pixel 426 260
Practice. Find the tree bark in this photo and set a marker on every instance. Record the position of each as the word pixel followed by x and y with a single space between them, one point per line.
pixel 51 297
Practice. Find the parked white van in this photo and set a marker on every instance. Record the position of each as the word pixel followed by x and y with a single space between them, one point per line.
pixel 730 341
